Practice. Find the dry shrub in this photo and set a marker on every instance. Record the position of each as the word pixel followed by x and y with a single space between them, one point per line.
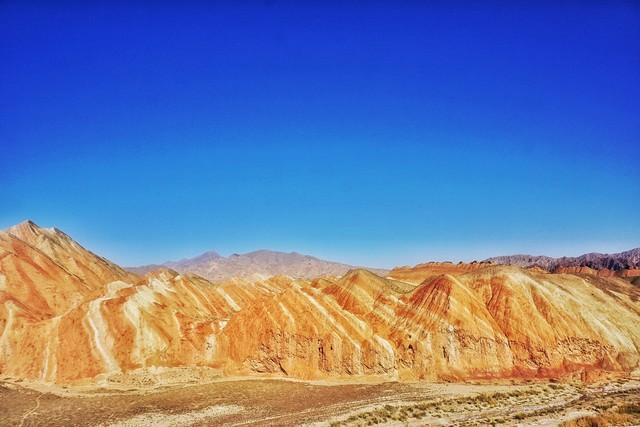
pixel 631 408
pixel 604 420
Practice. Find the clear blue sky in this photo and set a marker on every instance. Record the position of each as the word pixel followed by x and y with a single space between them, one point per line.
pixel 380 135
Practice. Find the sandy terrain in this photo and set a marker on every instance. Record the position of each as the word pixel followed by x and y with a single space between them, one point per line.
pixel 240 401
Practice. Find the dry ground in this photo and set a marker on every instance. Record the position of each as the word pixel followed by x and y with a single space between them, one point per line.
pixel 278 402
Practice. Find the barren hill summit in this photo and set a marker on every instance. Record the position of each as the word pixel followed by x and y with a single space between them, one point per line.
pixel 67 253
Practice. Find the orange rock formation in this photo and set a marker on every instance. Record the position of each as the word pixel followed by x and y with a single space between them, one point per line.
pixel 67 314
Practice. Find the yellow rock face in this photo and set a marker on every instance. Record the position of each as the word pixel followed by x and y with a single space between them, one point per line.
pixel 67 314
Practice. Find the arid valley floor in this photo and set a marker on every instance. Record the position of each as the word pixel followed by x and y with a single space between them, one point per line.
pixel 242 401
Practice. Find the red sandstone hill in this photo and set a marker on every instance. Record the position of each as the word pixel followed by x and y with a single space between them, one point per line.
pixel 67 314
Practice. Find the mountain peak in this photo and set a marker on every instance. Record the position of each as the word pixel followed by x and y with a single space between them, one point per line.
pixel 25 229
pixel 206 256
pixel 68 254
pixel 26 224
pixel 28 230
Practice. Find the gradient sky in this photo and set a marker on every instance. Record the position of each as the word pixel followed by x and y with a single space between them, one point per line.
pixel 378 135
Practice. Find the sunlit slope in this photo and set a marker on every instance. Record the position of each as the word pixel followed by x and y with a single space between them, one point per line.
pixel 494 322
pixel 66 252
pixel 67 314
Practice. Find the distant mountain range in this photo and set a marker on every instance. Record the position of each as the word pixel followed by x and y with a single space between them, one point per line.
pixel 616 262
pixel 255 265
pixel 266 263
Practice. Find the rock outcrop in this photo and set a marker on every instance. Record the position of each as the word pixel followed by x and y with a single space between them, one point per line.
pixel 68 315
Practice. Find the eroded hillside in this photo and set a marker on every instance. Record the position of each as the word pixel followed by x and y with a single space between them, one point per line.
pixel 68 315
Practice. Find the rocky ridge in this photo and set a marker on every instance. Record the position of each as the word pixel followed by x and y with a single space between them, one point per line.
pixel 622 261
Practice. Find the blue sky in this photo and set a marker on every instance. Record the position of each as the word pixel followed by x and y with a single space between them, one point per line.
pixel 377 134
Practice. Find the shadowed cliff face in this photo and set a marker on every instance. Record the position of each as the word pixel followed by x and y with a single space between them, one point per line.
pixel 67 314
